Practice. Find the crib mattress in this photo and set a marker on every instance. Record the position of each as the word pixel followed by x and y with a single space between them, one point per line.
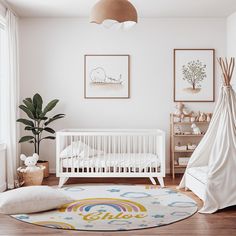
pixel 114 160
pixel 199 173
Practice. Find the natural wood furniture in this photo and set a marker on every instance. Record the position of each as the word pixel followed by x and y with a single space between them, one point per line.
pixel 184 139
pixel 220 224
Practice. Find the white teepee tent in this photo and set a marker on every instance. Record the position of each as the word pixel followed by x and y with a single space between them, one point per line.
pixel 217 150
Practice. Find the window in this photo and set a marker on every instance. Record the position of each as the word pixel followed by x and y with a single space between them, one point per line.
pixel 2 76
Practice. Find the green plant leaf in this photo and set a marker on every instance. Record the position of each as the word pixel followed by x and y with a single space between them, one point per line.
pixel 35 132
pixel 29 100
pixel 37 101
pixel 43 118
pixel 28 128
pixel 56 117
pixel 50 106
pixel 25 139
pixel 30 106
pixel 27 111
pixel 48 137
pixel 26 122
pixel 38 113
pixel 50 130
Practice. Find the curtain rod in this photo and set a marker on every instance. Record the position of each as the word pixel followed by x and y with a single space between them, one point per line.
pixel 7 6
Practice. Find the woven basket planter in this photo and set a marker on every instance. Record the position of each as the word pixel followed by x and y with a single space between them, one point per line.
pixel 46 170
pixel 31 178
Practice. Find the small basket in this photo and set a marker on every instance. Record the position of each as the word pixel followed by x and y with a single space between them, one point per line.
pixel 30 178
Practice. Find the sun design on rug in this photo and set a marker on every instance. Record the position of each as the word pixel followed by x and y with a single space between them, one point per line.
pixel 112 208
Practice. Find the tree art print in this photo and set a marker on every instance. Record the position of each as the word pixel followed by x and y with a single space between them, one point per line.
pixel 194 73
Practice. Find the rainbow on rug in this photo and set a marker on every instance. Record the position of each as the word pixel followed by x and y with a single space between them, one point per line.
pixel 115 207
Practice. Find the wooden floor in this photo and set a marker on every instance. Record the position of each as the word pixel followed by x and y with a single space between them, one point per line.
pixel 219 224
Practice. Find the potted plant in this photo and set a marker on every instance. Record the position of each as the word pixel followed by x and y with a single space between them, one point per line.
pixel 38 123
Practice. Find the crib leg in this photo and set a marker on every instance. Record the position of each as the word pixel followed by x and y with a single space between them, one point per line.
pixel 161 181
pixel 62 181
pixel 152 180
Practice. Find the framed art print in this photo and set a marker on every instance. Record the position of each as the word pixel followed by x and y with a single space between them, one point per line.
pixel 107 76
pixel 194 75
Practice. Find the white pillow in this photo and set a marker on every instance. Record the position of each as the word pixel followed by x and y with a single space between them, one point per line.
pixel 79 149
pixel 32 199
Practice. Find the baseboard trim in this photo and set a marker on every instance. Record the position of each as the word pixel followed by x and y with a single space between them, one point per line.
pixel 3 187
pixel 52 171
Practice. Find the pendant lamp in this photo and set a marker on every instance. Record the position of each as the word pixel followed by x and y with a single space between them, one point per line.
pixel 114 14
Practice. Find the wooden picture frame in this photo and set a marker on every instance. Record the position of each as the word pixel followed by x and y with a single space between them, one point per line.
pixel 106 76
pixel 198 88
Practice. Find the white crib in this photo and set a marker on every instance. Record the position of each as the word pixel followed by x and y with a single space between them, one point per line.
pixel 110 153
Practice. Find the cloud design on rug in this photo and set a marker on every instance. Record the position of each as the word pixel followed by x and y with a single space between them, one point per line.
pixel 135 195
pixel 178 213
pixel 113 190
pixel 182 204
pixel 119 222
pixel 156 203
pixel 158 216
pixel 73 189
pixel 22 217
pixel 170 191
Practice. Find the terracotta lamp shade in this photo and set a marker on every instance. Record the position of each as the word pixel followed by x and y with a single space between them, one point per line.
pixel 114 14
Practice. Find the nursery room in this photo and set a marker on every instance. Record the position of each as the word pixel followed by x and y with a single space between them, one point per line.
pixel 117 117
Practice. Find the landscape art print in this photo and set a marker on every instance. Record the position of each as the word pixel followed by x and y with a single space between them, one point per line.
pixel 106 76
pixel 194 75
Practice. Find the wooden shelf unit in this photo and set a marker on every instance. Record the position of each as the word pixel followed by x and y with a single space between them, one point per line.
pixel 184 139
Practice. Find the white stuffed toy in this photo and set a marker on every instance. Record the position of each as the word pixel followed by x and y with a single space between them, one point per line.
pixel 30 162
pixel 196 129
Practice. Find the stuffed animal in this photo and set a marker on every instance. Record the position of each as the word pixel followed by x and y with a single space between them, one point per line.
pixel 179 109
pixel 196 129
pixel 202 117
pixel 30 162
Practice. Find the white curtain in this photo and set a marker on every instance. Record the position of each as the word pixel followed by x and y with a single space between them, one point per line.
pixel 11 98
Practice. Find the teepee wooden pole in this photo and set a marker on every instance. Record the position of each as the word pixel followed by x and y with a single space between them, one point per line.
pixel 227 68
pixel 232 68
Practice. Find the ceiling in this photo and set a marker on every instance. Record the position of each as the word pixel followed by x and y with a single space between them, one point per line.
pixel 145 8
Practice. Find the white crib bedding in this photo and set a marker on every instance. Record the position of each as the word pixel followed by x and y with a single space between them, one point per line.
pixel 133 160
pixel 199 173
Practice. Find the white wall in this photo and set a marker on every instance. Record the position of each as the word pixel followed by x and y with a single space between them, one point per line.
pixel 2 10
pixel 51 56
pixel 231 41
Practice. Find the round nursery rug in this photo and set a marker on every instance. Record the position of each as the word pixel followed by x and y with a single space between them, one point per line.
pixel 115 207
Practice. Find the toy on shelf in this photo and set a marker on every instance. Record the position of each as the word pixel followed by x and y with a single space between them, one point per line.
pixel 191 146
pixel 183 161
pixel 182 112
pixel 180 148
pixel 187 133
pixel 179 109
pixel 192 118
pixel 208 119
pixel 196 130
pixel 202 117
pixel 178 130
